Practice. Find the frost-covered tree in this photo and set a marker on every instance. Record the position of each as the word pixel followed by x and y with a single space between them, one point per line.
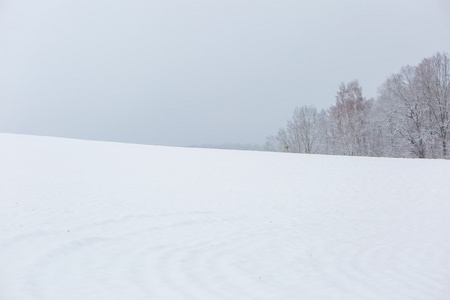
pixel 349 121
pixel 277 143
pixel 409 118
pixel 304 133
pixel 305 130
pixel 433 85
pixel 384 140
pixel 406 112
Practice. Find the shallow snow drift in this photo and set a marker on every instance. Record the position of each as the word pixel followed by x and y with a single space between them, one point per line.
pixel 96 220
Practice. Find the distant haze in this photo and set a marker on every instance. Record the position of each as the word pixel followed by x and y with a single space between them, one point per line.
pixel 198 72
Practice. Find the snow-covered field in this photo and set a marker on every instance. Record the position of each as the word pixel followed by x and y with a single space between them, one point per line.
pixel 95 220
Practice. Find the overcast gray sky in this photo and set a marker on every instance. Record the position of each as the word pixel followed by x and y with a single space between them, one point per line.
pixel 177 72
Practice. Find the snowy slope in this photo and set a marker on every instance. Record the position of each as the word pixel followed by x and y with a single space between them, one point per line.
pixel 96 220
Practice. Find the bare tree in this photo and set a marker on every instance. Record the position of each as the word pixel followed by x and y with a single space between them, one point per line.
pixel 278 143
pixel 433 80
pixel 385 140
pixel 304 130
pixel 304 133
pixel 349 120
pixel 405 110
pixel 410 118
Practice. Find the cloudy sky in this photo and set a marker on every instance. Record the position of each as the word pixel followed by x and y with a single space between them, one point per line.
pixel 176 72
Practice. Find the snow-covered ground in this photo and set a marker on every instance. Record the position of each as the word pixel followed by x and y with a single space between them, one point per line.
pixel 96 220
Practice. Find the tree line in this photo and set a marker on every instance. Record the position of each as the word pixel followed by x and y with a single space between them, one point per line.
pixel 409 118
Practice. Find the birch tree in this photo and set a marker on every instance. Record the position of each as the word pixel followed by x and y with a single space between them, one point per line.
pixel 349 120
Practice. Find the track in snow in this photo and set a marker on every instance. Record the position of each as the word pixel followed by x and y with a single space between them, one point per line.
pixel 87 220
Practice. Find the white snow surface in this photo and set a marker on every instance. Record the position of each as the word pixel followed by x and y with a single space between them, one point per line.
pixel 97 220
